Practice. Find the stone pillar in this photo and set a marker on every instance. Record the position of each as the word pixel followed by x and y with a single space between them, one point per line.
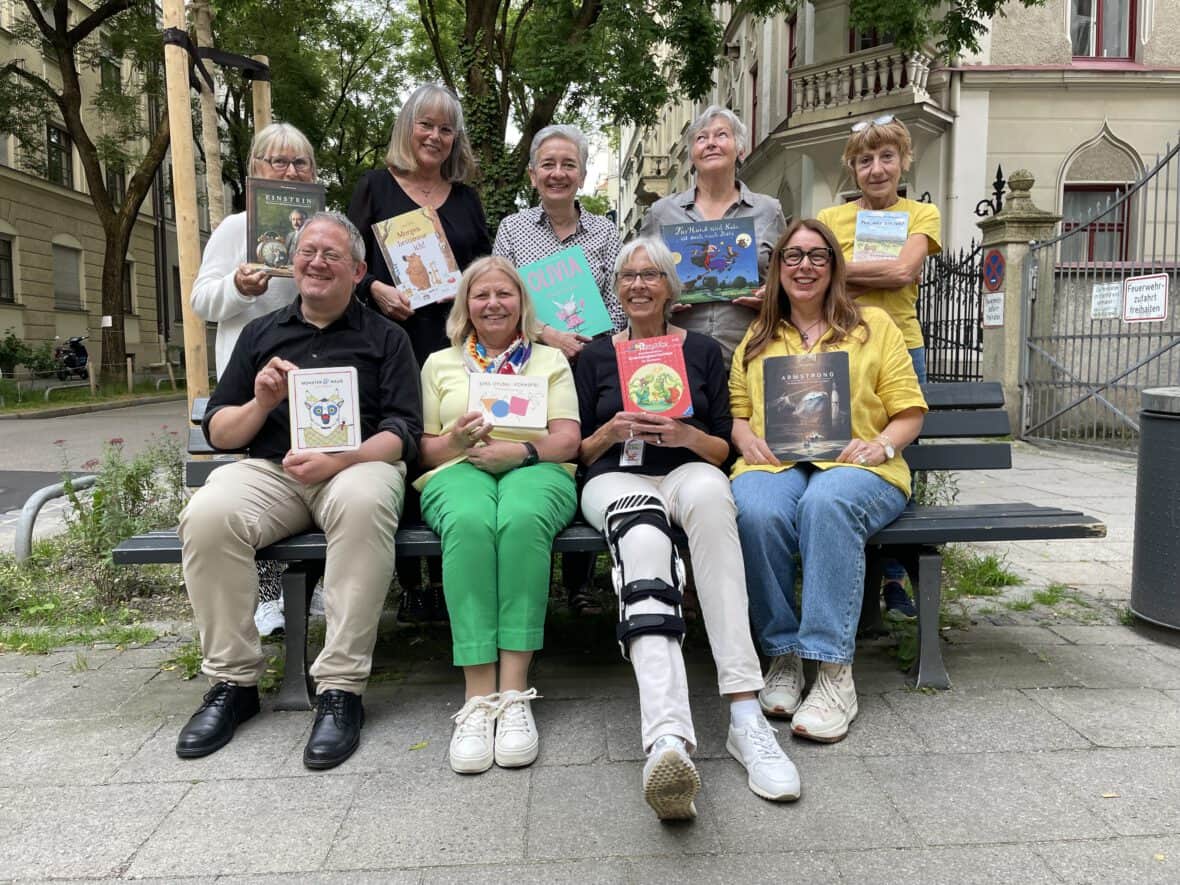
pixel 1009 232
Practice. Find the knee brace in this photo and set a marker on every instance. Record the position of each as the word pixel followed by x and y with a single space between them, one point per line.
pixel 619 518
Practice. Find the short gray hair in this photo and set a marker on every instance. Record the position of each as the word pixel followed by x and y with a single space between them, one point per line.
pixel 356 245
pixel 460 165
pixel 659 255
pixel 571 134
pixel 740 133
pixel 277 136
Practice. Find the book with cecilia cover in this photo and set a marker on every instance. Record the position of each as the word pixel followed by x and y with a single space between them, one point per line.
pixel 510 400
pixel 275 211
pixel 808 406
pixel 420 260
pixel 564 293
pixel 715 260
pixel 325 409
pixel 652 376
pixel 879 235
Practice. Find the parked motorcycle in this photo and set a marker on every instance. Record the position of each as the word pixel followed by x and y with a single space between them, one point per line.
pixel 71 358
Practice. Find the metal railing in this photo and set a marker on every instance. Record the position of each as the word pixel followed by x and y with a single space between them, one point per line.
pixel 950 310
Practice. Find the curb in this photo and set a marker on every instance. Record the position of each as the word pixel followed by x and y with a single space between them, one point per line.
pixel 83 408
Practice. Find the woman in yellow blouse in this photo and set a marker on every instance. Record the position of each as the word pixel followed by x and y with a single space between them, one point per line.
pixel 822 511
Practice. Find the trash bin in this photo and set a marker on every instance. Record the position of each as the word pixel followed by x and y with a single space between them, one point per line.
pixel 1155 570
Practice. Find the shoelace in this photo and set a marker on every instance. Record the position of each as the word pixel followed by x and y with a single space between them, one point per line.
pixel 334 703
pixel 470 719
pixel 762 737
pixel 825 691
pixel 217 696
pixel 511 712
pixel 783 674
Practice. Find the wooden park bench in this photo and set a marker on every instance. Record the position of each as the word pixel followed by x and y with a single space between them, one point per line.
pixel 966 429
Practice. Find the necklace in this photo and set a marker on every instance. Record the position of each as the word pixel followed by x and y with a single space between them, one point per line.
pixel 804 333
pixel 421 188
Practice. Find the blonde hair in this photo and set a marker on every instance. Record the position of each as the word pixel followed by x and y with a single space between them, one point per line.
pixel 431 97
pixel 459 325
pixel 277 136
pixel 875 136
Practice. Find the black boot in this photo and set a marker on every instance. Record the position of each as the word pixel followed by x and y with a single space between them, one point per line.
pixel 225 706
pixel 336 734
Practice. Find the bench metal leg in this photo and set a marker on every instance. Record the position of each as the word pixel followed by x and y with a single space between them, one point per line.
pixel 931 672
pixel 870 607
pixel 296 692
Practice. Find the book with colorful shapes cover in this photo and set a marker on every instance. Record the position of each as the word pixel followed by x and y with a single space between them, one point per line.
pixel 564 293
pixel 419 258
pixel 652 376
pixel 879 235
pixel 275 211
pixel 325 409
pixel 808 406
pixel 510 400
pixel 715 260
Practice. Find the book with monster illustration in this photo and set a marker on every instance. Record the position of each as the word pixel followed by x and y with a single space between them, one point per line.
pixel 325 409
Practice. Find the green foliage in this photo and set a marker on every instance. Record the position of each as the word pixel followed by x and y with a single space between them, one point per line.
pixel 599 204
pixel 1051 595
pixel 968 574
pixel 185 661
pixel 935 488
pixel 13 352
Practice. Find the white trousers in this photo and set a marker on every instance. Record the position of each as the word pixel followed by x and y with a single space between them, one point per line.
pixel 697 497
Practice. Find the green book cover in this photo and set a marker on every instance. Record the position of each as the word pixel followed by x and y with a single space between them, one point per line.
pixel 565 294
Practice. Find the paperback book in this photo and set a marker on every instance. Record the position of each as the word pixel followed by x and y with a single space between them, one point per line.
pixel 715 260
pixel 564 293
pixel 879 235
pixel 275 212
pixel 510 400
pixel 325 409
pixel 652 376
pixel 419 258
pixel 808 407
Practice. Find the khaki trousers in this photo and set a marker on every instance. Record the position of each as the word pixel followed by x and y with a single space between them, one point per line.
pixel 252 503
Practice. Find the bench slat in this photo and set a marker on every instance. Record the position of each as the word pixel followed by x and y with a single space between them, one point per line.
pixel 198 413
pixel 963 394
pixel 955 456
pixel 958 424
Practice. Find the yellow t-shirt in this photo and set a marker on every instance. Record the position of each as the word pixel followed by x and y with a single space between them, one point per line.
pixel 881 383
pixel 445 388
pixel 901 304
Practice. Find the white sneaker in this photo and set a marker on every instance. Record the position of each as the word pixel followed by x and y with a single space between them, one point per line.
pixel 268 618
pixel 471 750
pixel 517 741
pixel 784 687
pixel 830 706
pixel 771 774
pixel 316 609
pixel 670 780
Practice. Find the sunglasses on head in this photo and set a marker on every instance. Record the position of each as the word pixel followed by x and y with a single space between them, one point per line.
pixel 883 120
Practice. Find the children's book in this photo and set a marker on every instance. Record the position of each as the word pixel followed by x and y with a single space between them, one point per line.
pixel 879 235
pixel 510 400
pixel 275 212
pixel 652 376
pixel 565 294
pixel 325 409
pixel 715 260
pixel 808 406
pixel 419 258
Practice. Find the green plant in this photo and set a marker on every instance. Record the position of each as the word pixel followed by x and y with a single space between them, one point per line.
pixel 968 574
pixel 935 488
pixel 13 352
pixel 1018 605
pixel 1127 617
pixel 1051 595
pixel 186 661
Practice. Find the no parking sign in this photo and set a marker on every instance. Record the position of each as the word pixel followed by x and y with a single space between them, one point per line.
pixel 993 270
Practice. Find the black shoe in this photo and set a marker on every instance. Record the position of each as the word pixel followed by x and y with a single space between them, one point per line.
pixel 336 734
pixel 224 707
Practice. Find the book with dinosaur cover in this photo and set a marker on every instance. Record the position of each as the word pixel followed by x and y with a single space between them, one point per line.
pixel 564 293
pixel 510 400
pixel 324 405
pixel 275 211
pixel 419 258
pixel 808 405
pixel 652 376
pixel 715 260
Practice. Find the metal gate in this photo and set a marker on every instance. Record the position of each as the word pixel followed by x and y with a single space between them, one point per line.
pixel 1084 366
pixel 951 314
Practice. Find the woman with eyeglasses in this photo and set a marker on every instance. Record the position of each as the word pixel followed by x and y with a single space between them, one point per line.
pixel 877 153
pixel 229 293
pixel 428 161
pixel 647 474
pixel 822 511
pixel 717 142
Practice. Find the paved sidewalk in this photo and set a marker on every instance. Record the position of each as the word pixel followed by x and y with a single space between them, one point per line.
pixel 1055 758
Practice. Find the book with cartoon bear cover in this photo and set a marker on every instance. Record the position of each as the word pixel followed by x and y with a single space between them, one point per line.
pixel 418 256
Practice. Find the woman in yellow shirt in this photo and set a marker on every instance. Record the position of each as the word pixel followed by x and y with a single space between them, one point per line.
pixel 821 510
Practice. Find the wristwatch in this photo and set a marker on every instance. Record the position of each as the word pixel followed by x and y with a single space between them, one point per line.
pixel 531 457
pixel 884 442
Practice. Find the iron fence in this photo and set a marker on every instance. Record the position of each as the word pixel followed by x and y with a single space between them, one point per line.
pixel 951 314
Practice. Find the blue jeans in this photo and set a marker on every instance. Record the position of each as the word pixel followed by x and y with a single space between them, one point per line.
pixel 825 516
pixel 892 570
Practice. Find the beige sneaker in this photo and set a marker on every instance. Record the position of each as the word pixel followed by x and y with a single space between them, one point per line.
pixel 784 687
pixel 472 741
pixel 670 780
pixel 830 706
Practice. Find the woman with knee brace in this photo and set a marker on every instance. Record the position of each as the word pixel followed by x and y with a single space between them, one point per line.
pixel 647 473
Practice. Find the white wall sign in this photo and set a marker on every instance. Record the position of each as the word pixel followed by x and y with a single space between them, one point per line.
pixel 1145 298
pixel 107 322
pixel 993 310
pixel 1106 301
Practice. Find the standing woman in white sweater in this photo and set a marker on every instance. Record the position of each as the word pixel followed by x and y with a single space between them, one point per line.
pixel 228 293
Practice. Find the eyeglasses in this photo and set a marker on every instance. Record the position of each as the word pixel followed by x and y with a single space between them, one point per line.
pixel 280 164
pixel 331 256
pixel 628 277
pixel 883 120
pixel 426 128
pixel 817 257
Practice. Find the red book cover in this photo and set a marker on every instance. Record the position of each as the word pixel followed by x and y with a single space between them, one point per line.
pixel 652 376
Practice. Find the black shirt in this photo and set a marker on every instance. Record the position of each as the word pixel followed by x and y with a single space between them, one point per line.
pixel 390 393
pixel 600 399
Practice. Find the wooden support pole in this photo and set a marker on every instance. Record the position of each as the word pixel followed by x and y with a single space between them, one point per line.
pixel 130 375
pixel 261 98
pixel 92 377
pixel 214 192
pixel 184 198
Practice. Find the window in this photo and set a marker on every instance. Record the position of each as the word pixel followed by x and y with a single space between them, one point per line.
pixel 60 156
pixel 116 185
pixel 753 108
pixel 871 39
pixel 177 314
pixel 111 73
pixel 128 290
pixel 7 282
pixel 67 278
pixel 1102 28
pixel 1105 237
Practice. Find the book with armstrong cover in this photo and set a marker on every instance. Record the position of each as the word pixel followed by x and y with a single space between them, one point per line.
pixel 808 408
pixel 420 260
pixel 275 211
pixel 652 376
pixel 564 293
pixel 879 235
pixel 510 400
pixel 325 412
pixel 715 260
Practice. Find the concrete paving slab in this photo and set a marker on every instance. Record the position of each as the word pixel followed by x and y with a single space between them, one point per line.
pixel 10 682
pixel 938 866
pixel 234 827
pixel 1002 666
pixel 1116 717
pixel 1119 666
pixel 981 798
pixel 71 752
pixel 1100 634
pixel 62 832
pixel 1147 861
pixel 164 694
pixel 589 872
pixel 58 661
pixel 150 657
pixel 92 694
pixel 878 730
pixel 351 877
pixel 982 633
pixel 982 721
pixel 797 867
pixel 1136 791
pixel 572 732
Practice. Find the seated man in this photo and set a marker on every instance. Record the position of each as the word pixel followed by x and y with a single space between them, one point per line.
pixel 355 497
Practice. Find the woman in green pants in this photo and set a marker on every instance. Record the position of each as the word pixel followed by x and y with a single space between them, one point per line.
pixel 497 494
